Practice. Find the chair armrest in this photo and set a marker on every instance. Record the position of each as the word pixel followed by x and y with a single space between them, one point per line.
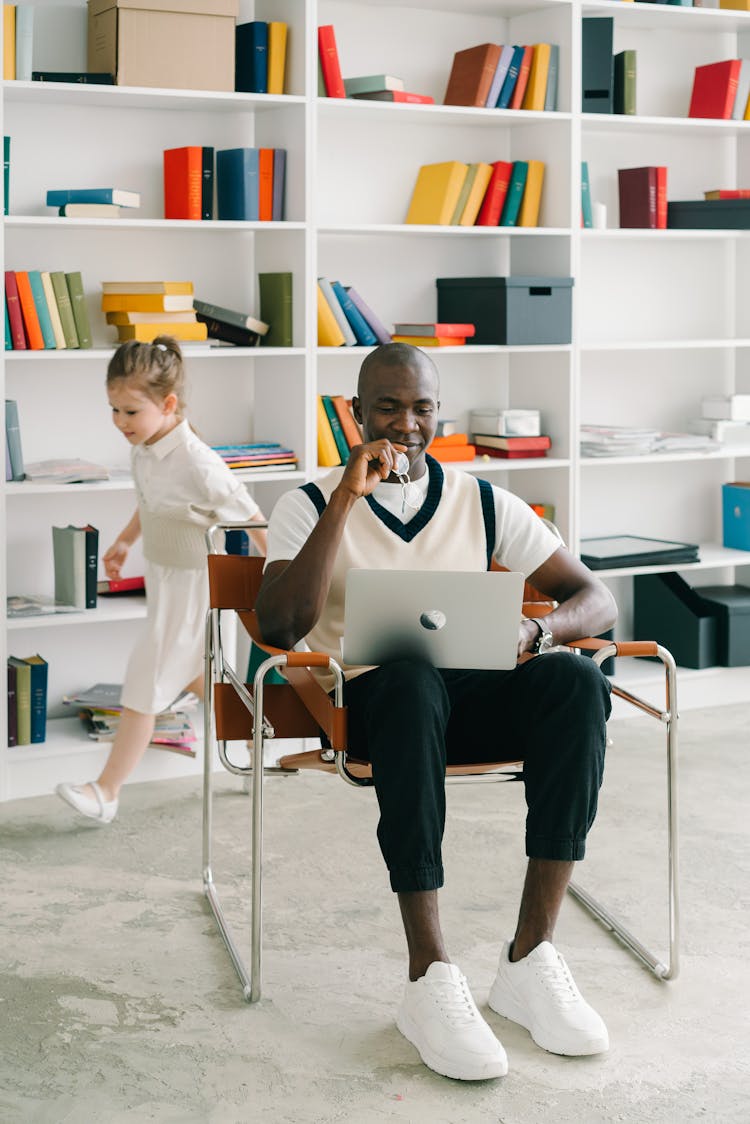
pixel 622 647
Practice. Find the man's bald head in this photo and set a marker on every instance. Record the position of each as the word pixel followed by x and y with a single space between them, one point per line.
pixel 385 358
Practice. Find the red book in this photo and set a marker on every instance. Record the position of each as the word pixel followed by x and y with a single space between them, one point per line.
pixel 265 184
pixel 637 189
pixel 493 442
pixel 458 330
pixel 120 585
pixel 452 452
pixel 494 196
pixel 183 182
pixel 28 308
pixel 661 197
pixel 15 316
pixel 404 96
pixel 743 193
pixel 329 62
pixel 714 89
pixel 523 77
pixel 509 454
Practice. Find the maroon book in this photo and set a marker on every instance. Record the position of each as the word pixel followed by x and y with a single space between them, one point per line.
pixel 638 197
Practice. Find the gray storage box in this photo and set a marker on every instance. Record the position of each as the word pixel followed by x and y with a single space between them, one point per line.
pixel 508 310
pixel 668 610
pixel 731 606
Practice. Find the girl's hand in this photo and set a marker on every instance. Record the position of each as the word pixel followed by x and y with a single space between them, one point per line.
pixel 114 559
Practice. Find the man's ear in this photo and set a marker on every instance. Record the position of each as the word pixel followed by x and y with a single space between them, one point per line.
pixel 357 410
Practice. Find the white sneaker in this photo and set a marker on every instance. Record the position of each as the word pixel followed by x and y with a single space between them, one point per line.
pixel 540 993
pixel 94 807
pixel 440 1018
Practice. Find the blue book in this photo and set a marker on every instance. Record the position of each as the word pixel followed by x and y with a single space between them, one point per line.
pixel 515 193
pixel 38 698
pixel 6 173
pixel 587 214
pixel 42 309
pixel 279 181
pixel 501 71
pixel 116 195
pixel 251 57
pixel 506 93
pixel 237 184
pixel 24 41
pixel 550 96
pixel 362 330
pixel 8 336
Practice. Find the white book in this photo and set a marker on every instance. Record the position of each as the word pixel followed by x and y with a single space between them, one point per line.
pixel 349 337
pixel 24 41
pixel 54 314
pixel 743 91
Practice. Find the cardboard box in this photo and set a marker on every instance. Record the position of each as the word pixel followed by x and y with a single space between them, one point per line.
pixel 508 310
pixel 735 510
pixel 172 44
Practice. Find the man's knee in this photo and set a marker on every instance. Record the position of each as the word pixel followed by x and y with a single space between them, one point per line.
pixel 574 682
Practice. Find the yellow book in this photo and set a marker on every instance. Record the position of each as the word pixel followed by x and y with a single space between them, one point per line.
pixel 146 302
pixel 329 333
pixel 277 34
pixel 147 332
pixel 172 287
pixel 436 193
pixel 476 194
pixel 328 454
pixel 9 41
pixel 54 314
pixel 129 316
pixel 536 87
pixel 532 195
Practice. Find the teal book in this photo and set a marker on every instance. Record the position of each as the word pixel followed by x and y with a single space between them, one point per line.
pixel 42 309
pixel 362 330
pixel 38 700
pixel 550 95
pixel 515 193
pixel 6 174
pixel 275 291
pixel 508 86
pixel 8 336
pixel 587 214
pixel 338 434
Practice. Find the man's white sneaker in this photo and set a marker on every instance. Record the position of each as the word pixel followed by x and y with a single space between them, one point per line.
pixel 540 993
pixel 440 1018
pixel 93 807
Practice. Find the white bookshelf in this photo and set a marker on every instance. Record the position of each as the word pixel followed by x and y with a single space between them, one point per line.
pixel 659 317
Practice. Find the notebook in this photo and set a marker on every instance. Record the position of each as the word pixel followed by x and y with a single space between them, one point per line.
pixel 448 618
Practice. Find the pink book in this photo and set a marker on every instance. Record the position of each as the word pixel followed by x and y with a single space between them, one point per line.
pixel 378 328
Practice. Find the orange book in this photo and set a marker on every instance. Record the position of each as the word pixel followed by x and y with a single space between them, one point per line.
pixel 348 424
pixel 449 440
pixel 265 184
pixel 523 78
pixel 183 182
pixel 28 309
pixel 452 452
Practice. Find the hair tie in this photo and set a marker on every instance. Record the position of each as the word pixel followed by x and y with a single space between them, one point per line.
pixel 161 346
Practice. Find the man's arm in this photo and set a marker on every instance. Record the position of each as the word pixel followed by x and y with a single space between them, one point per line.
pixel 585 605
pixel 293 594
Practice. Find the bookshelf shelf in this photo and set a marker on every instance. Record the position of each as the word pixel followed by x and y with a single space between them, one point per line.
pixel 377 230
pixel 436 115
pixel 32 491
pixel 190 351
pixel 639 234
pixel 621 123
pixel 108 611
pixel 464 349
pixel 505 8
pixel 663 16
pixel 712 557
pixel 144 97
pixel 726 453
pixel 665 345
pixel 177 225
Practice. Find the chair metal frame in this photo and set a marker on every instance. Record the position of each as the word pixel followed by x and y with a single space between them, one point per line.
pixel 219 674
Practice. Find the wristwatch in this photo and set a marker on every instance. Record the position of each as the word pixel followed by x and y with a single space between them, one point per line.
pixel 544 640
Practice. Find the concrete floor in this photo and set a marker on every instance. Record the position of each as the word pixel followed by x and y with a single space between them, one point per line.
pixel 118 1002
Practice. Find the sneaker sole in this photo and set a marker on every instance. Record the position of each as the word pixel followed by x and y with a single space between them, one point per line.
pixel 503 1004
pixel 443 1066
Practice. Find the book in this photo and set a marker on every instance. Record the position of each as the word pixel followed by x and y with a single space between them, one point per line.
pixel 23 700
pixel 183 182
pixel 146 302
pixel 634 550
pixel 471 75
pixel 337 312
pixel 9 42
pixel 230 333
pixel 279 184
pixel 637 193
pixel 715 89
pixel 171 288
pixel 207 182
pixel 329 332
pixel 342 445
pixel 130 317
pixel 237 171
pixel 445 330
pixel 500 422
pixel 80 311
pixel 28 309
pixel 661 197
pixel 349 425
pixel 277 38
pixel 328 454
pixel 65 471
pixel 436 193
pixel 329 62
pixel 482 173
pixel 8 337
pixel 42 309
pixel 504 60
pixel 194 332
pixel 623 98
pixel 251 57
pixel 510 444
pixel 508 454
pixel 6 175
pixel 742 193
pixel 380 331
pixel 587 214
pixel 536 87
pixel 516 100
pixel 514 194
pixel 81 77
pixel 550 94
pixel 463 195
pixel 15 315
pixel 401 97
pixel 275 291
pixel 75 551
pixel 364 334
pixel 12 711
pixel 37 699
pixel 64 307
pixel 104 696
pixel 446 440
pixel 107 586
pixel 13 439
pixel 265 184
pixel 24 41
pixel 597 64
pixel 431 341
pixel 90 211
pixel 739 111
pixel 528 214
pixel 230 316
pixel 117 195
pixel 509 85
pixel 372 84
pixel 453 452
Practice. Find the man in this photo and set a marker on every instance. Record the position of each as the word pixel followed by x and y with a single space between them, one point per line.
pixel 408 719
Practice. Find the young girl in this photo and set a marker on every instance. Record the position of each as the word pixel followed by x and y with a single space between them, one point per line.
pixel 182 487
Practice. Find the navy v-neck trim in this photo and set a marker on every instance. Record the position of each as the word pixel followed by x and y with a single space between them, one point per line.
pixel 410 530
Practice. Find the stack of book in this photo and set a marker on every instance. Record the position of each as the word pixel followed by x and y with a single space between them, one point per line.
pixel 505 77
pixel 345 319
pixel 93 202
pixel 511 447
pixel 383 87
pixel 260 57
pixel 504 193
pixel 45 310
pixel 142 310
pixel 67 471
pixel 338 432
pixel 100 710
pixel 452 447
pixel 257 455
pixel 27 700
pixel 250 184
pixel 76 557
pixel 230 326
pixel 433 335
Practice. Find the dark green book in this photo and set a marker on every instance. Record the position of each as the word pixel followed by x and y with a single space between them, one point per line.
pixel 624 87
pixel 515 193
pixel 6 173
pixel 338 434
pixel 276 308
pixel 64 308
pixel 80 312
pixel 38 698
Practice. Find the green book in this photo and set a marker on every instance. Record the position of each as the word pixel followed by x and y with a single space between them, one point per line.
pixel 6 173
pixel 338 434
pixel 276 308
pixel 463 195
pixel 38 698
pixel 8 336
pixel 587 213
pixel 80 312
pixel 515 193
pixel 23 700
pixel 64 308
pixel 624 84
pixel 42 310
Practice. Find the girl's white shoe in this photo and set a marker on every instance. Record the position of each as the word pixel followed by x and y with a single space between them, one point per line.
pixel 94 807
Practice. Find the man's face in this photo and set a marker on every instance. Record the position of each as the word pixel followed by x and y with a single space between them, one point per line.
pixel 400 404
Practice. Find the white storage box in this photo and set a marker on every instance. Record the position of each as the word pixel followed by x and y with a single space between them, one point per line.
pixel 506 423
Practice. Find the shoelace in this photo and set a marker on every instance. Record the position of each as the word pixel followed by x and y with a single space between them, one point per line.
pixel 557 980
pixel 455 1001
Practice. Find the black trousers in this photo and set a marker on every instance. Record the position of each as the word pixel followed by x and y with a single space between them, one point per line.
pixel 410 721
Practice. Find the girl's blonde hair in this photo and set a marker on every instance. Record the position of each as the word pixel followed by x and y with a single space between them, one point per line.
pixel 157 368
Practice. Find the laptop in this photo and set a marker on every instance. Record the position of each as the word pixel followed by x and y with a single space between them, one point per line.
pixel 448 618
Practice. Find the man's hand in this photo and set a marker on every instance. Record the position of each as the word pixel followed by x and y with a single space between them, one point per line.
pixel 368 465
pixel 528 633
pixel 114 559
